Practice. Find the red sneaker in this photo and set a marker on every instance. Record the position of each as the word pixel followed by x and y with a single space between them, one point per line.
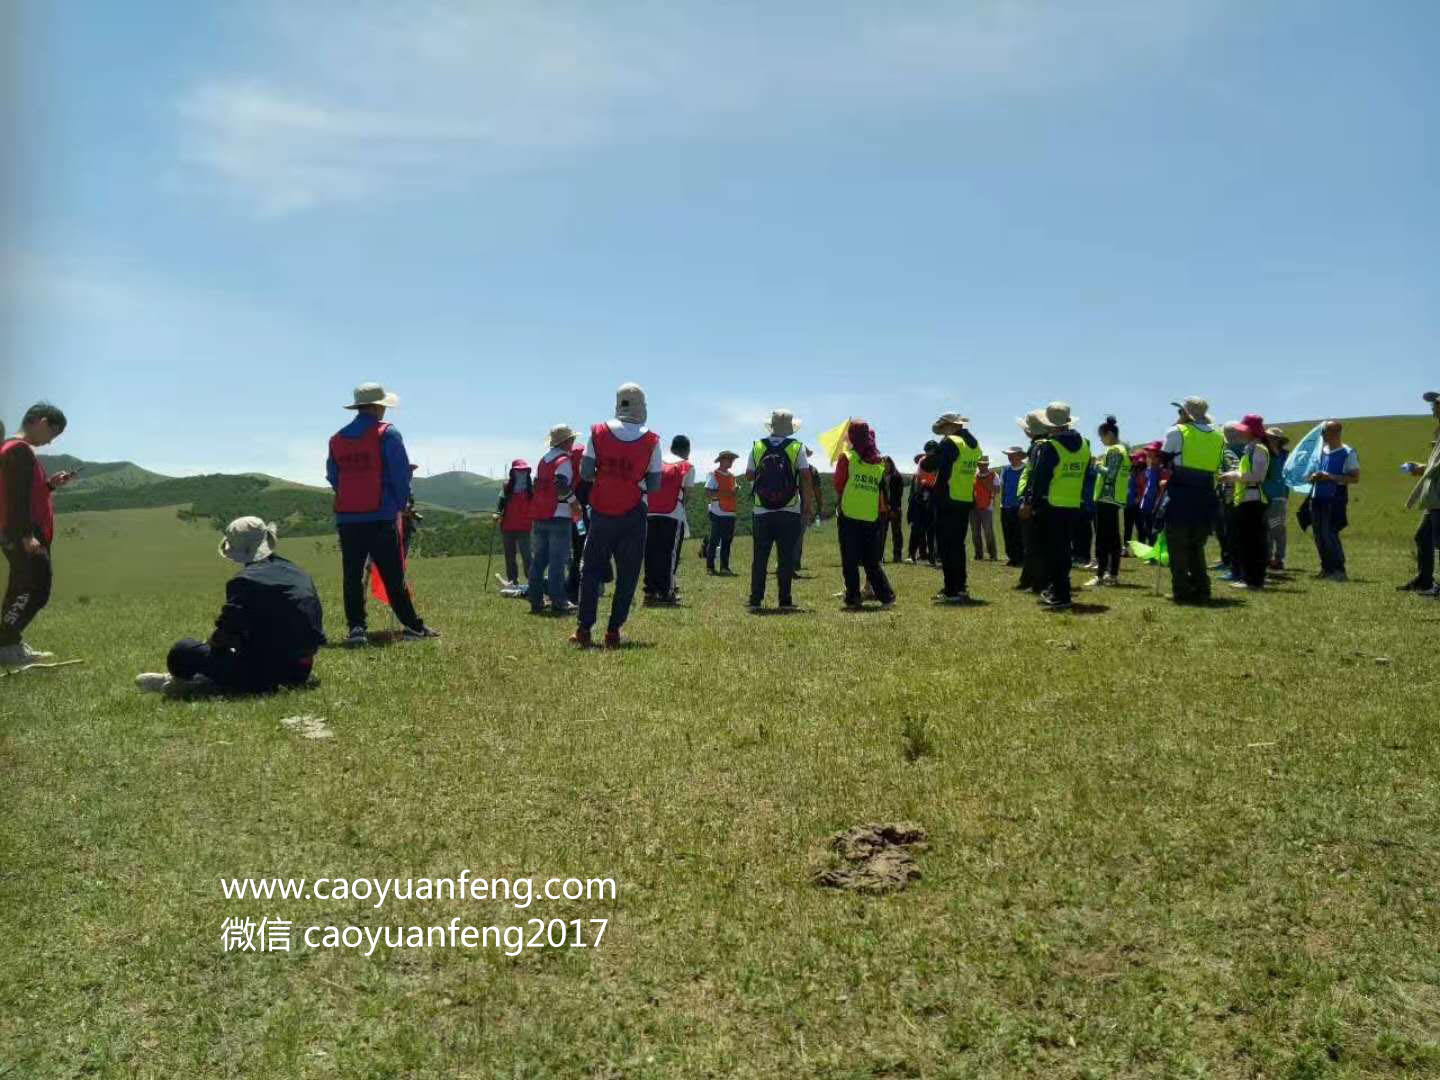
pixel 581 637
pixel 612 639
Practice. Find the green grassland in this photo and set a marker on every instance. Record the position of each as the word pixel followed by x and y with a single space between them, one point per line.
pixel 1164 842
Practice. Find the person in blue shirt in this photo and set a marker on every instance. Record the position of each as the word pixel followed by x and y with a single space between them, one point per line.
pixel 1010 528
pixel 1277 491
pixel 1330 499
pixel 370 474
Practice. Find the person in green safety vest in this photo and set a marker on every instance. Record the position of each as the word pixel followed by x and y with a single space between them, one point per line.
pixel 1054 498
pixel 953 464
pixel 1193 451
pixel 1247 484
pixel 859 477
pixel 1112 486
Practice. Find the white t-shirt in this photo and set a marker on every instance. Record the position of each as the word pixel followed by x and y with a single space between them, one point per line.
pixel 802 465
pixel 712 483
pixel 566 469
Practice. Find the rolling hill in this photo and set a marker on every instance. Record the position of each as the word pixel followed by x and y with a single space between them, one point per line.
pixel 98 475
pixel 457 491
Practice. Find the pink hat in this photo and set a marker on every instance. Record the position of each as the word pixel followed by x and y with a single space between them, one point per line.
pixel 519 463
pixel 1253 425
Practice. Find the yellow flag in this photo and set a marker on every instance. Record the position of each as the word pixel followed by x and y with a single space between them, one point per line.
pixel 835 441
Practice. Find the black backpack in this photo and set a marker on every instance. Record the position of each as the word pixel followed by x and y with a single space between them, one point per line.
pixel 776 483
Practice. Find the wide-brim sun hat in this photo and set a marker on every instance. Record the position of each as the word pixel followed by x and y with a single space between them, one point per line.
pixel 1033 422
pixel 372 393
pixel 1196 408
pixel 248 540
pixel 1278 435
pixel 950 421
pixel 726 455
pixel 1011 451
pixel 1253 425
pixel 1058 415
pixel 561 433
pixel 782 422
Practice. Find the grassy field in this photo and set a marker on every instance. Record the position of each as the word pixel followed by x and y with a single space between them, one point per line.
pixel 1163 842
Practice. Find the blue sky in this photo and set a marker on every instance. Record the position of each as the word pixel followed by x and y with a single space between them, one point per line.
pixel 224 216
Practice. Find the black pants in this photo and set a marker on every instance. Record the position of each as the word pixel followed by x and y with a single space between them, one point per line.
pixel 662 555
pixel 722 535
pixel 1248 546
pixel 781 530
pixel 1035 571
pixel 621 538
pixel 378 541
pixel 861 544
pixel 1225 532
pixel 1107 539
pixel 897 538
pixel 27 592
pixel 231 670
pixel 920 536
pixel 1189 577
pixel 1011 534
pixel 1057 527
pixel 1131 518
pixel 952 524
pixel 1082 532
pixel 517 554
pixel 1145 526
pixel 577 552
pixel 1427 542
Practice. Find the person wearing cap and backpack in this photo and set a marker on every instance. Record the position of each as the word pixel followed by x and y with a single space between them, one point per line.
pixel 27 529
pixel 953 463
pixel 666 525
pixel 784 502
pixel 720 493
pixel 1425 497
pixel 623 463
pixel 1055 496
pixel 859 478
pixel 268 629
pixel 552 519
pixel 369 472
pixel 1193 451
pixel 512 511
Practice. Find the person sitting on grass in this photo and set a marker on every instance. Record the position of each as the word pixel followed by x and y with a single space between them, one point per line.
pixel 27 529
pixel 268 629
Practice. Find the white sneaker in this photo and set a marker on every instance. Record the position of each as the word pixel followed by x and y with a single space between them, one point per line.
pixel 35 656
pixel 154 682
pixel 1095 582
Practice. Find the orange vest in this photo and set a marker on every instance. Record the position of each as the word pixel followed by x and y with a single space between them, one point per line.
pixel 725 488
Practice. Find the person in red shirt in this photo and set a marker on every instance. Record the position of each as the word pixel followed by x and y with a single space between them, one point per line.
pixel 27 529
pixel 982 512
pixel 513 513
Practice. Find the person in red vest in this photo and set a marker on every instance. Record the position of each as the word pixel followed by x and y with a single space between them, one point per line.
pixel 513 511
pixel 370 474
pixel 553 519
pixel 666 525
pixel 622 464
pixel 27 529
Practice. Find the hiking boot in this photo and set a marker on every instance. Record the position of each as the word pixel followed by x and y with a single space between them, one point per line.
pixel 961 597
pixel 1049 603
pixel 565 608
pixel 1415 585
pixel 418 633
pixel 852 603
pixel 154 682
pixel 357 636
pixel 581 637
pixel 612 639
pixel 1433 592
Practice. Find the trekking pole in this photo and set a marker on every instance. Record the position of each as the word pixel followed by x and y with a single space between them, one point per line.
pixel 489 555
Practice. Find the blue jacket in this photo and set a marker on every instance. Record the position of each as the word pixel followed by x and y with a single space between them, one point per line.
pixel 395 484
pixel 1010 487
pixel 1275 486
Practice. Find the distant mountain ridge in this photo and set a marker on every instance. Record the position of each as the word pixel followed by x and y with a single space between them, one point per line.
pixel 457 491
pixel 95 475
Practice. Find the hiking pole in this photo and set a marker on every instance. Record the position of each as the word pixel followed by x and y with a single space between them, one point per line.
pixel 489 555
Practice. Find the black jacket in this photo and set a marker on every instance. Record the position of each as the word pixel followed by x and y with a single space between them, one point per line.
pixel 271 613
pixel 942 461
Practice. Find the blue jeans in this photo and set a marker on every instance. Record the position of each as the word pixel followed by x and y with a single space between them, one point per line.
pixel 551 540
pixel 1327 538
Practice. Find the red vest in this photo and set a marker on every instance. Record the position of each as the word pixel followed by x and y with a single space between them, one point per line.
pixel 519 511
pixel 361 465
pixel 672 483
pixel 42 507
pixel 546 498
pixel 619 469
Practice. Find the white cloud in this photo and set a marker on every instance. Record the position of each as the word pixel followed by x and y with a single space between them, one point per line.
pixel 348 102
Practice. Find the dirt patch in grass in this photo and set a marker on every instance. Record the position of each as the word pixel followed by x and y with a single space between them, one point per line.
pixel 874 858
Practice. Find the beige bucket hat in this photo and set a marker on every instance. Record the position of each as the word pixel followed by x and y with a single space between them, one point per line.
pixel 1057 414
pixel 248 540
pixel 1196 408
pixel 950 421
pixel 561 433
pixel 782 422
pixel 372 393
pixel 1034 423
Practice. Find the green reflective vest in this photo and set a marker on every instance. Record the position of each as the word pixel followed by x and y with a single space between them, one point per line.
pixel 1247 462
pixel 860 501
pixel 1067 486
pixel 1202 451
pixel 962 473
pixel 1115 494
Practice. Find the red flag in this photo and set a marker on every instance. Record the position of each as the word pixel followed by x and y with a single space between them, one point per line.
pixel 377 587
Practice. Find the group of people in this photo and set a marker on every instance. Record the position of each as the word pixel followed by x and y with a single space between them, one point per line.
pixel 612 512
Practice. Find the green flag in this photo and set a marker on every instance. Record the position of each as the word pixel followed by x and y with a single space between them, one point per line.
pixel 1157 553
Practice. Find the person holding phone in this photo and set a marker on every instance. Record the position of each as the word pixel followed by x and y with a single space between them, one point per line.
pixel 27 529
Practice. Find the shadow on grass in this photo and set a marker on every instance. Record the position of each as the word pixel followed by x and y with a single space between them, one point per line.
pixel 770 611
pixel 868 609
pixel 1085 609
pixel 216 693
pixel 972 602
